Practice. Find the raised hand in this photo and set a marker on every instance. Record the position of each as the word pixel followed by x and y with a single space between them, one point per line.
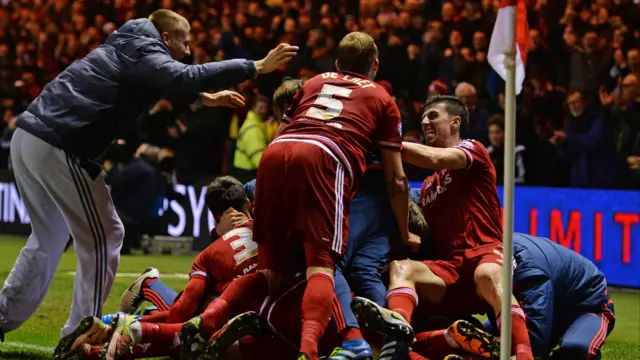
pixel 277 57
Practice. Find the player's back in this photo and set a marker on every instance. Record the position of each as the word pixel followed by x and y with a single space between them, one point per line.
pixel 231 255
pixel 462 206
pixel 346 113
pixel 578 284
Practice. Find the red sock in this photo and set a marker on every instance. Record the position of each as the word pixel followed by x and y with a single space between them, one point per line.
pixel 185 307
pixel 235 299
pixel 152 296
pixel 316 312
pixel 346 332
pixel 519 333
pixel 351 333
pixel 402 300
pixel 433 342
pixel 166 333
pixel 156 317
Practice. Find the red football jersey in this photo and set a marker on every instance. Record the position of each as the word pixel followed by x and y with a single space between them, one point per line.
pixel 348 114
pixel 462 206
pixel 233 254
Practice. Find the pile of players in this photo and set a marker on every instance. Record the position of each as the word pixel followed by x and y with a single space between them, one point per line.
pixel 278 279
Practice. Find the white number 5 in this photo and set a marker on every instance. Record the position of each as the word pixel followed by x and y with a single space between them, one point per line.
pixel 325 98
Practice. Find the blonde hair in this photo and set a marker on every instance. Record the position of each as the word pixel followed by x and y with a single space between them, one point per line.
pixel 284 95
pixel 357 52
pixel 168 21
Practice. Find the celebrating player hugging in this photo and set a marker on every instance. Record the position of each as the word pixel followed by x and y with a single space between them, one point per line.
pixel 277 280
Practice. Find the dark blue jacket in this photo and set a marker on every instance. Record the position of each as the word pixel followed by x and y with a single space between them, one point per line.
pixel 555 285
pixel 100 96
pixel 136 188
pixel 590 147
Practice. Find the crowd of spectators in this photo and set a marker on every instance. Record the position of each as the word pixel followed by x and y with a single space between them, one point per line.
pixel 578 117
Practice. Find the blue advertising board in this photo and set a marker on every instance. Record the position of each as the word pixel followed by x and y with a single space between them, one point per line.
pixel 602 225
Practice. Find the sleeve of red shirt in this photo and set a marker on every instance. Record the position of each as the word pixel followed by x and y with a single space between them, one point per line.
pixel 198 268
pixel 390 127
pixel 477 154
pixel 288 115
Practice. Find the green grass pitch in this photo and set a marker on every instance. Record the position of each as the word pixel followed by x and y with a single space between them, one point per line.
pixel 36 338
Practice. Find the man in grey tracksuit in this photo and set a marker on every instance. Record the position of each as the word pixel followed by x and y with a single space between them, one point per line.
pixel 72 121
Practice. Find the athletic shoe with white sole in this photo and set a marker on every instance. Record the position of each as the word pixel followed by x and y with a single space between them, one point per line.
pixel 133 297
pixel 91 331
pixel 474 340
pixel 121 342
pixel 383 321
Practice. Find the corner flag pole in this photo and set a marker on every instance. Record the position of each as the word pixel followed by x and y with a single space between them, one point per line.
pixel 508 198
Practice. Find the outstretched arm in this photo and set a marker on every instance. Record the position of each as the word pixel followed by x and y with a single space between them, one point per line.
pixel 432 157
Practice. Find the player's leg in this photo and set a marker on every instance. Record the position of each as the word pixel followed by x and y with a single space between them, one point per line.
pixel 409 281
pixel 147 287
pixel 98 234
pixel 585 336
pixel 128 333
pixel 26 286
pixel 188 302
pixel 346 322
pixel 364 275
pixel 488 280
pixel 321 223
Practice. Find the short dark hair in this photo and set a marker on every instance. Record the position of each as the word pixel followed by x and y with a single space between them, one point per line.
pixel 497 119
pixel 357 52
pixel 225 192
pixel 576 91
pixel 453 106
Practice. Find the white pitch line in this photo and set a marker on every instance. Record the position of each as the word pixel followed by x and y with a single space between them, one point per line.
pixel 19 345
pixel 137 275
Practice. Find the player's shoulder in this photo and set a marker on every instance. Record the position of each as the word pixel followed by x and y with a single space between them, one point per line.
pixel 472 144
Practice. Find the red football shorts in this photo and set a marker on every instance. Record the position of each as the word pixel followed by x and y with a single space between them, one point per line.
pixel 461 298
pixel 302 202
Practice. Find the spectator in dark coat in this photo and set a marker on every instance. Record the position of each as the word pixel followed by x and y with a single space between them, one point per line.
pixel 478 117
pixel 587 142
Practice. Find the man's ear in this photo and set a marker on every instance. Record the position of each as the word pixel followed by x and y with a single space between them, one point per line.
pixel 165 38
pixel 457 121
pixel 337 65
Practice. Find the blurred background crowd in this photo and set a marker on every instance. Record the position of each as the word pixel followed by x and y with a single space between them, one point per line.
pixel 578 116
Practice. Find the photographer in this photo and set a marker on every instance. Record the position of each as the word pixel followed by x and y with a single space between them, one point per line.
pixel 138 187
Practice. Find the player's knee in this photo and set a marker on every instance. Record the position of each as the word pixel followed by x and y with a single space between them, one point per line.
pixel 487 276
pixel 401 270
pixel 573 349
pixel 116 235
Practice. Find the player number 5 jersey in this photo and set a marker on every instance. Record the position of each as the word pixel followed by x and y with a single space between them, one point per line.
pixel 347 114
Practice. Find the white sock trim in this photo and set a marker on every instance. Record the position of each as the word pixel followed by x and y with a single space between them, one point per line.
pixel 451 341
pixel 135 332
